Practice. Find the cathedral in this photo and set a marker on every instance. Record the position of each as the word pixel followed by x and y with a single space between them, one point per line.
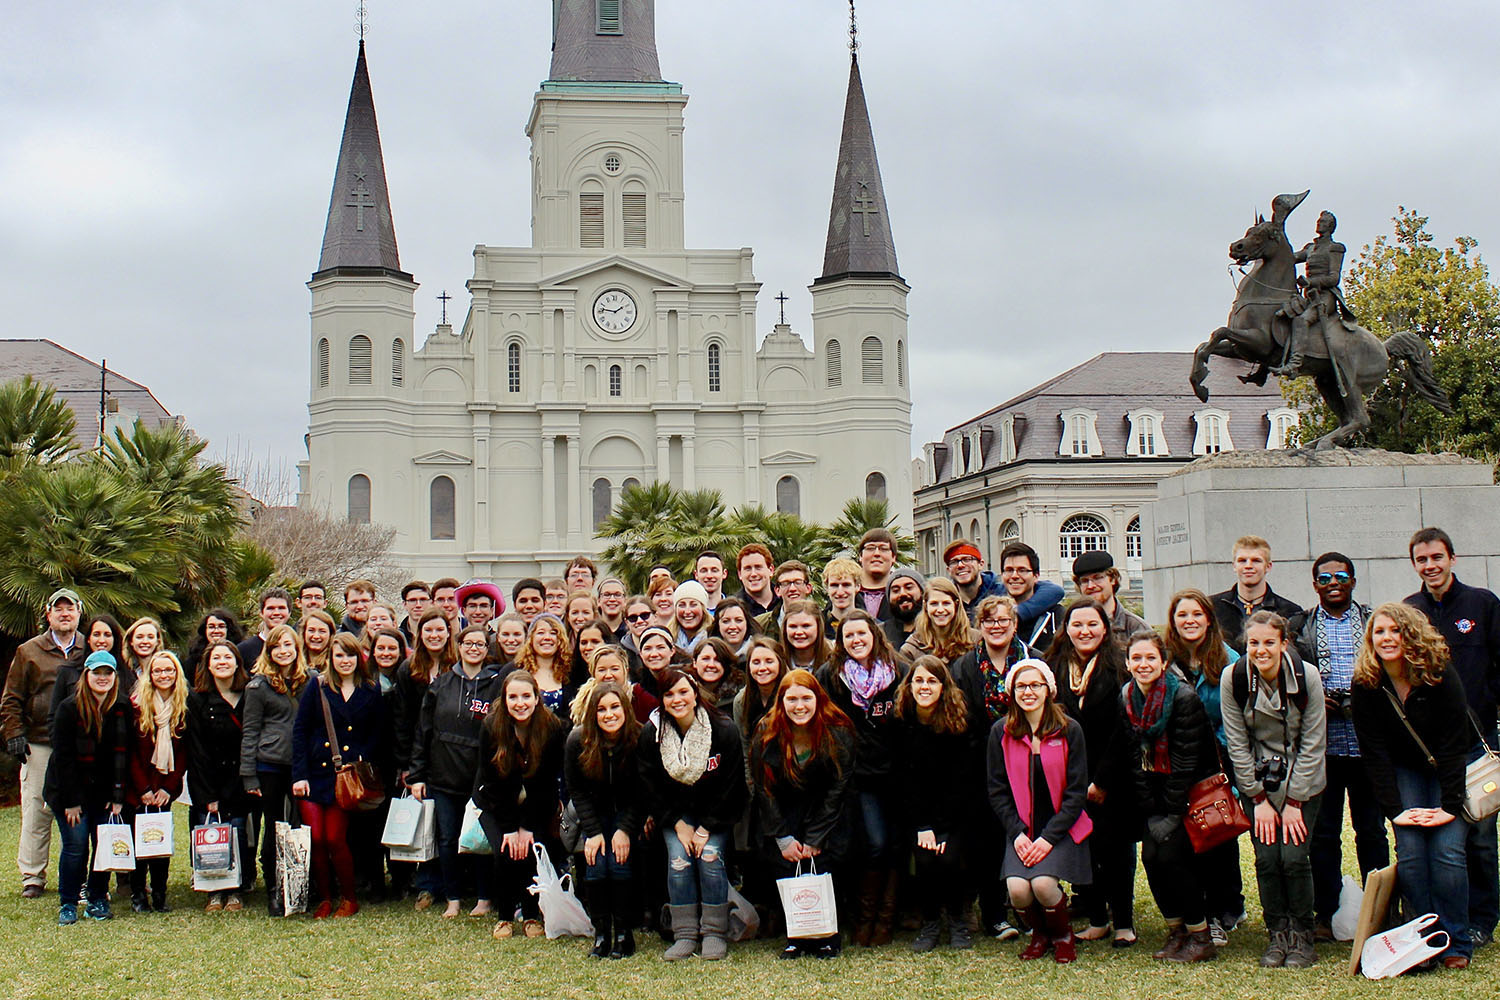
pixel 606 353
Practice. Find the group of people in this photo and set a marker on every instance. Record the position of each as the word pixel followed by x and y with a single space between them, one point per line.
pixel 930 744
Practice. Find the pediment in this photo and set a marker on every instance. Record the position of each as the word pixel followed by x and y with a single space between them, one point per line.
pixel 790 458
pixel 441 457
pixel 660 279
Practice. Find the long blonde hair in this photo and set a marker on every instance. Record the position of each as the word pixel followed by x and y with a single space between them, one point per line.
pixel 1423 647
pixel 145 696
pixel 952 640
pixel 291 680
pixel 128 651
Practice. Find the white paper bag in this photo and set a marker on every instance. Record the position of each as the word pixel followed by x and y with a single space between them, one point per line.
pixel 401 820
pixel 115 851
pixel 153 834
pixel 215 858
pixel 562 914
pixel 807 900
pixel 294 866
pixel 1393 952
pixel 423 845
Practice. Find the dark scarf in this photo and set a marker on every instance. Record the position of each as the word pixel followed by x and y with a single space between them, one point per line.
pixel 1149 715
pixel 996 701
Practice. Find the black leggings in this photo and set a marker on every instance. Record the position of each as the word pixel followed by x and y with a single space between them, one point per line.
pixel 275 793
pixel 1172 870
pixel 941 879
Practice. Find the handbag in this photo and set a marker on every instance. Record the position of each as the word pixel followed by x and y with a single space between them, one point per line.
pixel 569 829
pixel 1214 815
pixel 1481 777
pixel 357 785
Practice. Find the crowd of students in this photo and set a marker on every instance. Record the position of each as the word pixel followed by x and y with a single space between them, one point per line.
pixel 968 749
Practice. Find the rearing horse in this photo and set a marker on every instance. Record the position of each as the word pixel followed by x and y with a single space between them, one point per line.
pixel 1345 371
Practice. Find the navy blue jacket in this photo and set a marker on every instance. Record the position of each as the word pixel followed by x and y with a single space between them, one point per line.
pixel 362 724
pixel 1469 618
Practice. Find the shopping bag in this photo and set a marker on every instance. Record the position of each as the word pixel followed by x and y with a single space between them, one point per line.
pixel 471 839
pixel 744 922
pixel 423 845
pixel 215 858
pixel 562 914
pixel 808 902
pixel 401 821
pixel 153 834
pixel 1346 918
pixel 1393 952
pixel 294 866
pixel 1374 911
pixel 115 850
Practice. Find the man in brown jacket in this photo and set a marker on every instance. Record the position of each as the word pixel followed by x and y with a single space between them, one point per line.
pixel 23 724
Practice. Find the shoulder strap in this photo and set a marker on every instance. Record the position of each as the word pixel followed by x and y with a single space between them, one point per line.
pixel 333 736
pixel 1239 680
pixel 1401 712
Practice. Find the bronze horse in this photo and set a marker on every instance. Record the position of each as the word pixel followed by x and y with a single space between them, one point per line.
pixel 1344 371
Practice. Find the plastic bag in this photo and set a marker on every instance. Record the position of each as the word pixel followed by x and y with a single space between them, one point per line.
pixel 1346 918
pixel 562 914
pixel 1392 952
pixel 471 838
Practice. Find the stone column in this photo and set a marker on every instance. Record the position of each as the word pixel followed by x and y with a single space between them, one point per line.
pixel 549 492
pixel 689 462
pixel 663 458
pixel 575 493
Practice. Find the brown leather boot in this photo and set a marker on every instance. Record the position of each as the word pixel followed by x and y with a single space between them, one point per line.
pixel 1063 949
pixel 1040 941
pixel 885 916
pixel 870 885
pixel 1177 936
pixel 1198 948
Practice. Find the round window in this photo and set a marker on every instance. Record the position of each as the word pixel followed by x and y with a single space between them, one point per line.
pixel 612 163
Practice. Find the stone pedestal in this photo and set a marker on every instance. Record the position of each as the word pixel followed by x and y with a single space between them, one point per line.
pixel 1364 503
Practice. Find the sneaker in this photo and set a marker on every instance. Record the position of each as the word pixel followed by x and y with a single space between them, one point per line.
pixel 1231 921
pixel 98 910
pixel 67 914
pixel 234 903
pixel 215 902
pixel 791 951
pixel 959 936
pixel 1004 930
pixel 1480 937
pixel 424 901
pixel 1218 933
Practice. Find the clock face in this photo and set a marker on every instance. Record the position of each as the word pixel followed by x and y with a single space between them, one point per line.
pixel 614 311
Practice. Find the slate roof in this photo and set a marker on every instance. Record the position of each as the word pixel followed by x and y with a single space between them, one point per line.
pixel 360 237
pixel 1114 384
pixel 580 53
pixel 859 224
pixel 76 380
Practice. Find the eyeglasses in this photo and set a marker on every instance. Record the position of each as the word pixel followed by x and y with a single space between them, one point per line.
pixel 876 547
pixel 1324 579
pixel 963 561
pixel 642 617
pixel 473 644
pixel 1031 686
pixel 995 622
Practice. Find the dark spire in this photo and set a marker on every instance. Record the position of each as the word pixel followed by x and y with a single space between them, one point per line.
pixel 604 41
pixel 859 227
pixel 360 237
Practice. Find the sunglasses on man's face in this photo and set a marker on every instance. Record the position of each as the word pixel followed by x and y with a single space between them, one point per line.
pixel 1324 579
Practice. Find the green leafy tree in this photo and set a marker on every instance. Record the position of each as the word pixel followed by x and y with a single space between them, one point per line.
pixel 35 426
pixel 786 535
pixel 858 517
pixel 1404 281
pixel 638 530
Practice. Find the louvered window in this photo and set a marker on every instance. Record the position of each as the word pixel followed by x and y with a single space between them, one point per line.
pixel 359 360
pixel 608 22
pixel 835 364
pixel 325 363
pixel 633 215
pixel 901 362
pixel 591 219
pixel 715 383
pixel 398 361
pixel 872 361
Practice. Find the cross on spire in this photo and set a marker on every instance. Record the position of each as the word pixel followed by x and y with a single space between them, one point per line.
pixel 361 20
pixel 445 298
pixel 362 200
pixel 864 206
pixel 782 299
pixel 853 32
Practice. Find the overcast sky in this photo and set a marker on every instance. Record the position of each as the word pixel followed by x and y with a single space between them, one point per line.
pixel 1063 179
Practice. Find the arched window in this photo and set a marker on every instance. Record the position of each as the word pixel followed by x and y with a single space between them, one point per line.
pixel 835 364
pixel 359 499
pixel 359 360
pixel 1133 538
pixel 875 486
pixel 633 215
pixel 615 380
pixel 398 361
pixel 1010 531
pixel 591 216
pixel 603 503
pixel 901 362
pixel 630 484
pixel 443 513
pixel 324 363
pixel 1082 533
pixel 788 495
pixel 715 383
pixel 974 535
pixel 872 361
pixel 513 367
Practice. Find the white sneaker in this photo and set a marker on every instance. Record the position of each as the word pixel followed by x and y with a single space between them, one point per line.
pixel 1218 933
pixel 1004 930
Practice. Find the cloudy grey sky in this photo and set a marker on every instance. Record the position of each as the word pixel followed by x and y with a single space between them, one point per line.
pixel 1063 179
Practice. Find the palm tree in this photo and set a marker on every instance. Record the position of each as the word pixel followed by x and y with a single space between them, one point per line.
pixel 638 528
pixel 786 535
pixel 35 426
pixel 858 517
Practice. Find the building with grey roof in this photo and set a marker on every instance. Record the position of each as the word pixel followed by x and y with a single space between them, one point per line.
pixel 101 400
pixel 1066 465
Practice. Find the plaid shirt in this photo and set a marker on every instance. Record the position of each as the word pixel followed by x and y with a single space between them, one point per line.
pixel 1337 669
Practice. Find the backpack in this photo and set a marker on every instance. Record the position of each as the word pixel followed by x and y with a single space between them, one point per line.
pixel 1239 683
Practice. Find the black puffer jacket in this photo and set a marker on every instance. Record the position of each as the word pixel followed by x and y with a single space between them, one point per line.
pixel 717 799
pixel 619 792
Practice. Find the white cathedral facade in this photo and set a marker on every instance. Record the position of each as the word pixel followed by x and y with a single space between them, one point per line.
pixel 606 353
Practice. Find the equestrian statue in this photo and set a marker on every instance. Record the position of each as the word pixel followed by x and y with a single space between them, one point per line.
pixel 1290 324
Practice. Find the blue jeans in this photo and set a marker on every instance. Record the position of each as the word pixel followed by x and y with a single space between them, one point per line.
pixel 1346 776
pixel 1430 861
pixel 605 866
pixel 873 831
pixel 1484 866
pixel 703 879
pixel 73 859
pixel 458 872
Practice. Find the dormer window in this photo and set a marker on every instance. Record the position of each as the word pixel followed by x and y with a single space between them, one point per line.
pixel 1080 434
pixel 607 17
pixel 1283 421
pixel 1213 432
pixel 1147 439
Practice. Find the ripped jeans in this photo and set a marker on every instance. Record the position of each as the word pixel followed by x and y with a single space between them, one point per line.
pixel 703 879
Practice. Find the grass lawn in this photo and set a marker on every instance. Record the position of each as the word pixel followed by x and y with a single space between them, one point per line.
pixel 390 951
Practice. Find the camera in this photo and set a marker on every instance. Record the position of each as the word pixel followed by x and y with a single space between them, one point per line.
pixel 1345 702
pixel 1271 772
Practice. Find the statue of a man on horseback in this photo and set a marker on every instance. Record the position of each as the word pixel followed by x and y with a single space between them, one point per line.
pixel 1301 325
